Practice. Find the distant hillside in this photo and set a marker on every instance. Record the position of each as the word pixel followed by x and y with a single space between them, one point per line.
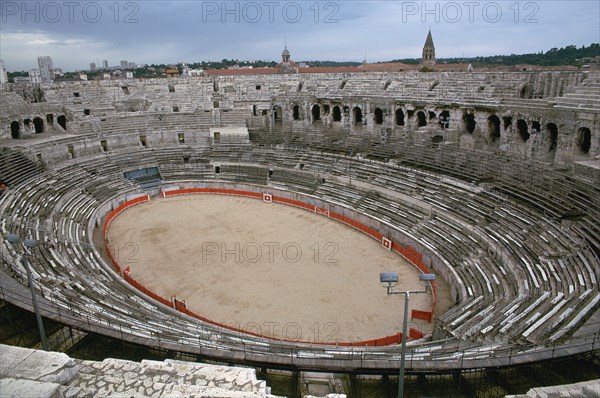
pixel 570 55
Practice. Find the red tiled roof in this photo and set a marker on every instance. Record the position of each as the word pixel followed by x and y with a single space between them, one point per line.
pixel 388 67
pixel 330 69
pixel 235 72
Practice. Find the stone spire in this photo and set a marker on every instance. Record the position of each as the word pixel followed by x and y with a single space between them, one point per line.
pixel 286 65
pixel 428 51
pixel 285 56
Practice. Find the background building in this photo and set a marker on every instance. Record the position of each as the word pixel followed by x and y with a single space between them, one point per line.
pixel 3 74
pixel 46 69
pixel 35 76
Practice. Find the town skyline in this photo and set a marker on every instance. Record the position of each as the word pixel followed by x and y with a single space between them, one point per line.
pixel 76 34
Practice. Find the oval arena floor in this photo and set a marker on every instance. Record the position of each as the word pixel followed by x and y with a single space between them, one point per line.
pixel 266 268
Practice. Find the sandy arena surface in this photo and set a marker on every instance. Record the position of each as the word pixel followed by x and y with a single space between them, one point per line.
pixel 265 268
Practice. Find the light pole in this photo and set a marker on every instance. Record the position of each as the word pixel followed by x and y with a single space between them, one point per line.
pixel 390 279
pixel 29 244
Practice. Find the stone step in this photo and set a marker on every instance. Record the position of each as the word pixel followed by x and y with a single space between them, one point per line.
pixel 170 378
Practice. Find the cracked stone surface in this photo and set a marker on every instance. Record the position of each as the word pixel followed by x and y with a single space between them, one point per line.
pixel 33 373
pixel 23 363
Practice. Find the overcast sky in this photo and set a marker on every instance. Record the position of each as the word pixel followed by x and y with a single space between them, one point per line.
pixel 75 33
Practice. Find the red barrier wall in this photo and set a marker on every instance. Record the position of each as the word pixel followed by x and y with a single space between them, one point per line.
pixel 407 252
pixel 415 334
pixel 111 216
pixel 424 315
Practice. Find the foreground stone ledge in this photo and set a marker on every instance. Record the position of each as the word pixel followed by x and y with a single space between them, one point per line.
pixel 40 374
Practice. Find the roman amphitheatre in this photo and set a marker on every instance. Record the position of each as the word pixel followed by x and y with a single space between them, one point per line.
pixel 488 179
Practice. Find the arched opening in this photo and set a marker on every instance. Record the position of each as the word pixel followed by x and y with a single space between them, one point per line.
pixel 296 112
pixel 421 119
pixel 444 119
pixel 523 129
pixel 277 115
pixel 552 136
pixel 535 127
pixel 431 115
pixel 378 116
pixel 15 129
pixel 526 91
pixel 316 113
pixel 62 121
pixel 469 122
pixel 38 125
pixel 50 118
pixel 584 140
pixel 433 85
pixel 399 117
pixel 337 114
pixel 357 115
pixel 494 128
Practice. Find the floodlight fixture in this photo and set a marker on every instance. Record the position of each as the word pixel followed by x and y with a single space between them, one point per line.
pixel 427 277
pixel 390 280
pixel 388 277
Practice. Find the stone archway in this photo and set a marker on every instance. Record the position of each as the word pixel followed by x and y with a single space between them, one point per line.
pixel 469 122
pixel 277 113
pixel 62 121
pixel 38 125
pixel 523 130
pixel 552 137
pixel 378 116
pixel 399 117
pixel 15 129
pixel 337 114
pixel 493 128
pixel 584 140
pixel 526 91
pixel 421 119
pixel 444 119
pixel 316 113
pixel 296 112
pixel 357 115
